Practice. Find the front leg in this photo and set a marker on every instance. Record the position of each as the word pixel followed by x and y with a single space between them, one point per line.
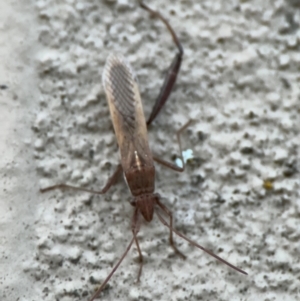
pixel 111 181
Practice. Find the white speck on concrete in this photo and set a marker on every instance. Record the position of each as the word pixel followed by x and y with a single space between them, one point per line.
pixel 187 155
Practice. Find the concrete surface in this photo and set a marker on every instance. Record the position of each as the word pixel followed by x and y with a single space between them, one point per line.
pixel 239 196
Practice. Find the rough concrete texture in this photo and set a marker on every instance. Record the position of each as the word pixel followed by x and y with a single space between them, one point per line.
pixel 239 196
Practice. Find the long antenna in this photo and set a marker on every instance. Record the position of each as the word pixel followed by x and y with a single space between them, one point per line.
pixel 198 246
pixel 99 290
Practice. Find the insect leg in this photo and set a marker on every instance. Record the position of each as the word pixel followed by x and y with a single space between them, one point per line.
pixel 169 213
pixel 169 164
pixel 173 70
pixel 135 230
pixel 111 181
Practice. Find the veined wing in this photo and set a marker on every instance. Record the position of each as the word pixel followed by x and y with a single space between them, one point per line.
pixel 126 112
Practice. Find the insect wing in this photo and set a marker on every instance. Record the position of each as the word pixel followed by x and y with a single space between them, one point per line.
pixel 127 114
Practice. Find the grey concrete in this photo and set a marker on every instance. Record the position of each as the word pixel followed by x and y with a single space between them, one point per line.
pixel 239 196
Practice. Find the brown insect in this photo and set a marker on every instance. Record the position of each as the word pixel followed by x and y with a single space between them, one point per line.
pixel 137 162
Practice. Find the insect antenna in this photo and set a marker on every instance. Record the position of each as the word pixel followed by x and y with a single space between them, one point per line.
pixel 197 245
pixel 135 230
pixel 100 289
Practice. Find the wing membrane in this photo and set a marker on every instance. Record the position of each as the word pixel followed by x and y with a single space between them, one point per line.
pixel 126 113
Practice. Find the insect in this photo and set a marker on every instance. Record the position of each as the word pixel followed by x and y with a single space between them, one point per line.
pixel 137 162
